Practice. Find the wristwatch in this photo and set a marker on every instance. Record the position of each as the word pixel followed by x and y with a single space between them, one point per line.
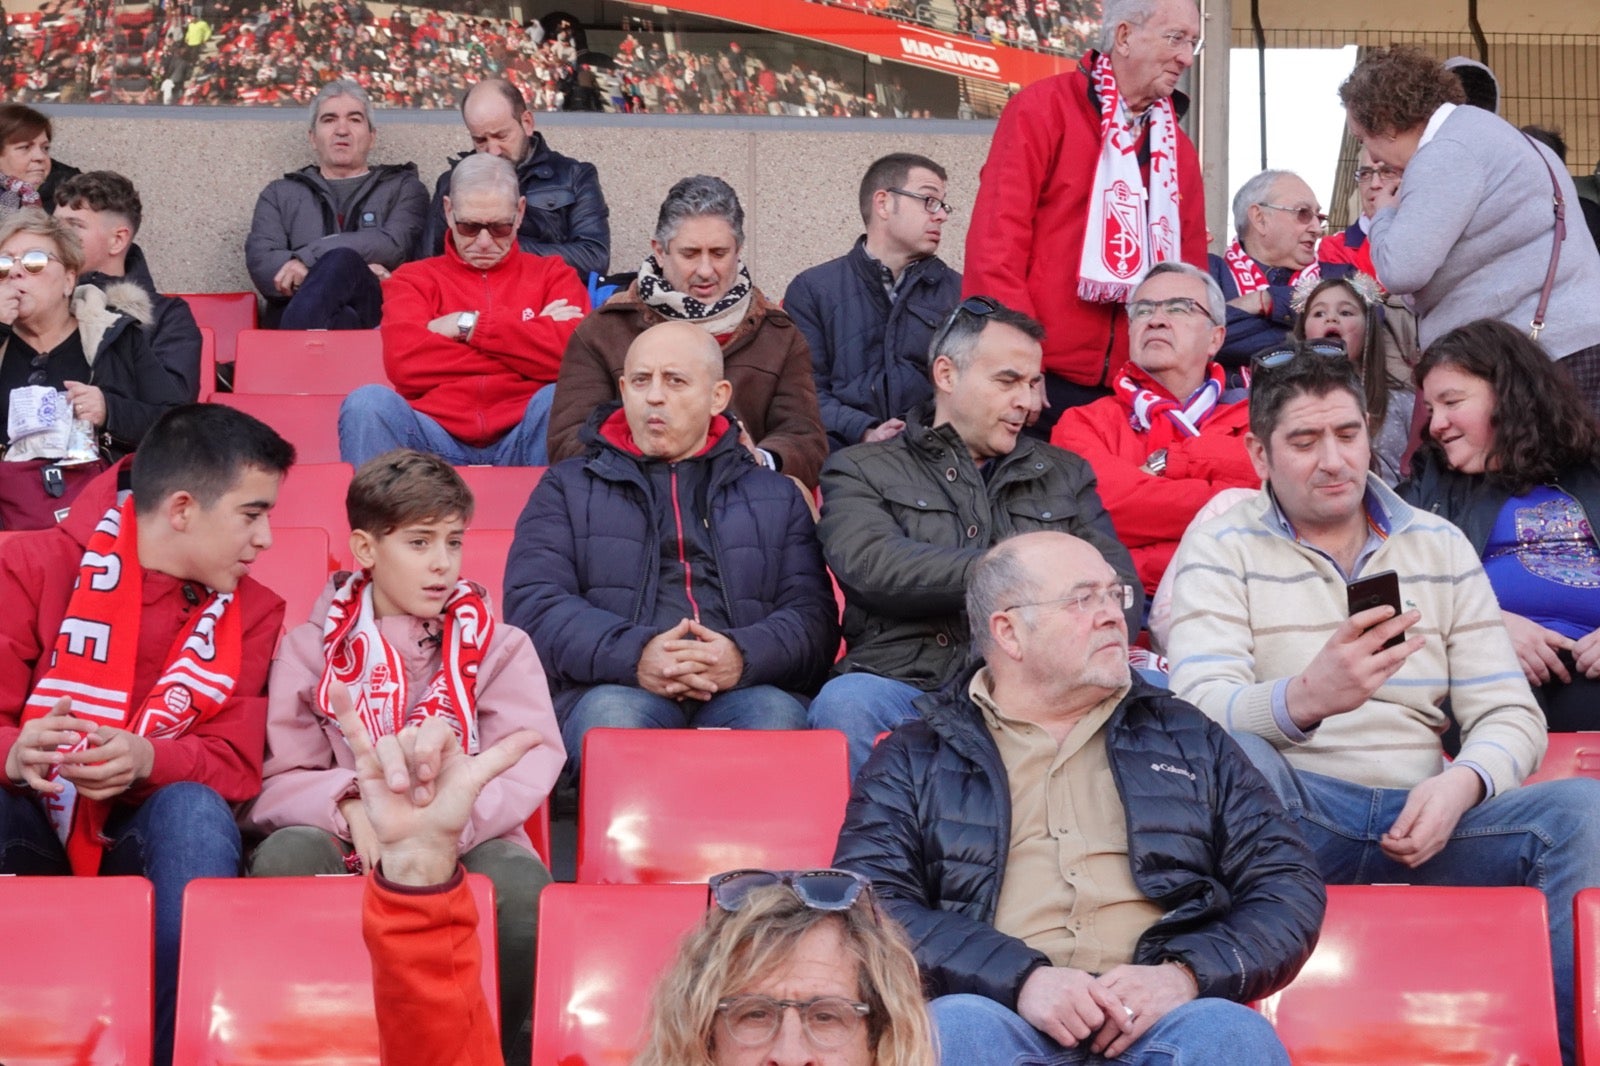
pixel 1157 462
pixel 465 322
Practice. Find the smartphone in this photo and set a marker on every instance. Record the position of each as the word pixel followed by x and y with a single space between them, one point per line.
pixel 1375 590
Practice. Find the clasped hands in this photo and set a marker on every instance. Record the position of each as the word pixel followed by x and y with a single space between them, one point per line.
pixel 690 661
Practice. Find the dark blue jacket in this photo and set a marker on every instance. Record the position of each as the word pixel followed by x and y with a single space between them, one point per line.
pixel 1247 333
pixel 582 578
pixel 869 356
pixel 929 820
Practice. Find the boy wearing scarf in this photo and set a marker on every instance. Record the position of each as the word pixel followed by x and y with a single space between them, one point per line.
pixel 133 666
pixel 409 640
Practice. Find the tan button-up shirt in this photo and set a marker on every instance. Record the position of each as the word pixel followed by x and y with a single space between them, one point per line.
pixel 1068 889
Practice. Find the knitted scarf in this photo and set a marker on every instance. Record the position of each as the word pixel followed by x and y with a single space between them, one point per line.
pixel 94 660
pixel 15 193
pixel 1146 400
pixel 1124 239
pixel 721 317
pixel 1247 274
pixel 373 671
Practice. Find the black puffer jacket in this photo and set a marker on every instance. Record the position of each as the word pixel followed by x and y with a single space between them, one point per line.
pixel 929 821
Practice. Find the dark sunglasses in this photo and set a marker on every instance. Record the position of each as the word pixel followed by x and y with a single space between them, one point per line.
pixel 1327 347
pixel 977 306
pixel 470 230
pixel 820 890
pixel 33 261
pixel 36 365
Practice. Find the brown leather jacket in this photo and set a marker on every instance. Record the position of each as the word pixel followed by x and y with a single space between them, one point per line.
pixel 766 359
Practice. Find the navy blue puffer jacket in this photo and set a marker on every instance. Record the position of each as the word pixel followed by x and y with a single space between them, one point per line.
pixel 582 578
pixel 929 821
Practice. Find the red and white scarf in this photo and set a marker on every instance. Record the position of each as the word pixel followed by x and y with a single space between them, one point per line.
pixel 1129 231
pixel 1247 273
pixel 94 660
pixel 373 671
pixel 1146 400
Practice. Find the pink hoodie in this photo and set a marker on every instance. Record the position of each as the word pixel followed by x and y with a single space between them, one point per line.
pixel 309 766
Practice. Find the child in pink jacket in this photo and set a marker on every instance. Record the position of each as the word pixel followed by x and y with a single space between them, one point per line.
pixel 410 640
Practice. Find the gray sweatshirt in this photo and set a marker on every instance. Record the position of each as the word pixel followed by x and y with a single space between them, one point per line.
pixel 1470 237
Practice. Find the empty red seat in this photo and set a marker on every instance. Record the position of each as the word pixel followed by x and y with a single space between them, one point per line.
pixel 308 361
pixel 678 805
pixel 296 567
pixel 227 313
pixel 274 969
pixel 312 497
pixel 483 559
pixel 1569 755
pixel 601 950
pixel 1406 974
pixel 500 493
pixel 1587 995
pixel 75 984
pixel 310 423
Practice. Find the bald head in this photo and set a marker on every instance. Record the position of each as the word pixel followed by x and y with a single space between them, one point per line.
pixel 683 339
pixel 672 387
pixel 498 119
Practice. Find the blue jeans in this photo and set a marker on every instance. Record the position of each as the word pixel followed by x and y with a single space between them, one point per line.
pixel 862 705
pixel 1545 836
pixel 1202 1032
pixel 181 832
pixel 375 419
pixel 339 292
pixel 626 707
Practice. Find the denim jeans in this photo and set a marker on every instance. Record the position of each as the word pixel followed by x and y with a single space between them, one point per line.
pixel 862 705
pixel 1203 1032
pixel 339 292
pixel 374 419
pixel 1545 836
pixel 626 707
pixel 180 832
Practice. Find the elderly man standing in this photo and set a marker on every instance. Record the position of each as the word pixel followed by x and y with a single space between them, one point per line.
pixel 667 579
pixel 1172 436
pixel 1090 183
pixel 1277 223
pixel 905 519
pixel 566 214
pixel 1088 870
pixel 472 339
pixel 324 236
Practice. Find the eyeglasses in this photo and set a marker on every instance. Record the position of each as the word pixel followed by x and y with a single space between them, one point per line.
pixel 33 261
pixel 932 204
pixel 1084 601
pixel 1327 347
pixel 1381 170
pixel 1302 215
pixel 469 230
pixel 1178 40
pixel 977 306
pixel 828 1021
pixel 820 890
pixel 1176 307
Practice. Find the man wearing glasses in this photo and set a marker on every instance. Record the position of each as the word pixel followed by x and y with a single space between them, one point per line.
pixel 868 315
pixel 1024 829
pixel 1277 224
pixel 1089 183
pixel 1349 251
pixel 472 339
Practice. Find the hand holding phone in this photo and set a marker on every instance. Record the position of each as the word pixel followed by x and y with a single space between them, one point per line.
pixel 1377 590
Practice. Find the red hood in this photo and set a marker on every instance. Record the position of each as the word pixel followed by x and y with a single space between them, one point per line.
pixel 93 502
pixel 615 430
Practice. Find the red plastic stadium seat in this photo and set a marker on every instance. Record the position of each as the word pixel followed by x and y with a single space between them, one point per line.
pixel 601 950
pixel 274 969
pixel 308 361
pixel 310 423
pixel 678 805
pixel 296 568
pixel 313 497
pixel 1405 975
pixel 208 363
pixel 483 559
pixel 75 986
pixel 1587 997
pixel 499 493
pixel 538 829
pixel 1569 755
pixel 228 313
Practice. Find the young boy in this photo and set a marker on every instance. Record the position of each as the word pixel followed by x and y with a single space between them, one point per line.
pixel 133 666
pixel 409 639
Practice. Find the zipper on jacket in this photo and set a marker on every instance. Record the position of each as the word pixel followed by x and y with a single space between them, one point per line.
pixel 683 556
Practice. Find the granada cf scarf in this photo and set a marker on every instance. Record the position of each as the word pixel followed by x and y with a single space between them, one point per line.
pixel 93 664
pixel 1248 276
pixel 1146 402
pixel 1127 234
pixel 359 657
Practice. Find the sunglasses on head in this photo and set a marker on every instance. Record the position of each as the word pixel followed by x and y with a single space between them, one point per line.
pixel 33 261
pixel 977 306
pixel 820 890
pixel 469 230
pixel 1327 347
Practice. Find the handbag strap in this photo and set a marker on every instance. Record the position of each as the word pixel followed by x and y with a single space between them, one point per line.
pixel 1537 324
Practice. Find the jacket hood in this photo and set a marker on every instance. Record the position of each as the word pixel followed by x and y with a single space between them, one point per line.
pixel 613 429
pixel 98 322
pixel 95 500
pixel 1477 81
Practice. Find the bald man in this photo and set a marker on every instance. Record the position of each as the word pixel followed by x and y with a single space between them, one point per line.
pixel 472 339
pixel 566 214
pixel 667 579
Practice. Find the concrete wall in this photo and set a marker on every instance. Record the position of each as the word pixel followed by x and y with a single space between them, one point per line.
pixel 199 173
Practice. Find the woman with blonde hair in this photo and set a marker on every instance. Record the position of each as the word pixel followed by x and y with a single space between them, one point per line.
pixel 791 966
